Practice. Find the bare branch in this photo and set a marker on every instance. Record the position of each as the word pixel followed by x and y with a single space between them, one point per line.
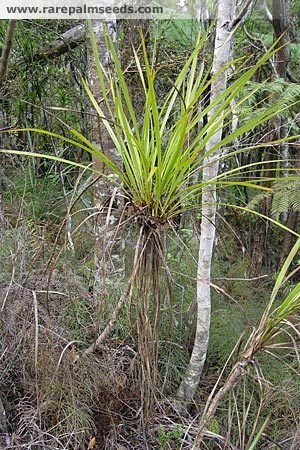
pixel 267 12
pixel 242 16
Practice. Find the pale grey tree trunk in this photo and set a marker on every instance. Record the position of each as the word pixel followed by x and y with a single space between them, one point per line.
pixel 203 13
pixel 222 55
pixel 109 245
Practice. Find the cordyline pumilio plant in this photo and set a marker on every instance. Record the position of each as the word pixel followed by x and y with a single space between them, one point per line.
pixel 273 322
pixel 162 156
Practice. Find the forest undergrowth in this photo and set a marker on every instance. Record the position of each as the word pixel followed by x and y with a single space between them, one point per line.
pixel 55 402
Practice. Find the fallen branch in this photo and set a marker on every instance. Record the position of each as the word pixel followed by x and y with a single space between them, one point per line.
pixel 111 324
pixel 65 42
pixel 236 373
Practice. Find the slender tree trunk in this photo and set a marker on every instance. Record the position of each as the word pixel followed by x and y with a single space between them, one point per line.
pixel 281 21
pixel 6 50
pixel 131 31
pixel 222 55
pixel 293 223
pixel 3 71
pixel 109 245
pixel 281 24
pixel 203 13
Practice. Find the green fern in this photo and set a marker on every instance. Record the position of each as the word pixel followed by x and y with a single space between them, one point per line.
pixel 261 93
pixel 285 197
pixel 257 200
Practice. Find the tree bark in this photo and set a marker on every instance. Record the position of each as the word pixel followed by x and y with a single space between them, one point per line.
pixel 6 50
pixel 130 31
pixel 108 246
pixel 281 24
pixel 280 19
pixel 293 223
pixel 222 55
pixel 3 71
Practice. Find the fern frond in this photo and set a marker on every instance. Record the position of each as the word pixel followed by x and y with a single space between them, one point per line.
pixel 286 196
pixel 256 201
